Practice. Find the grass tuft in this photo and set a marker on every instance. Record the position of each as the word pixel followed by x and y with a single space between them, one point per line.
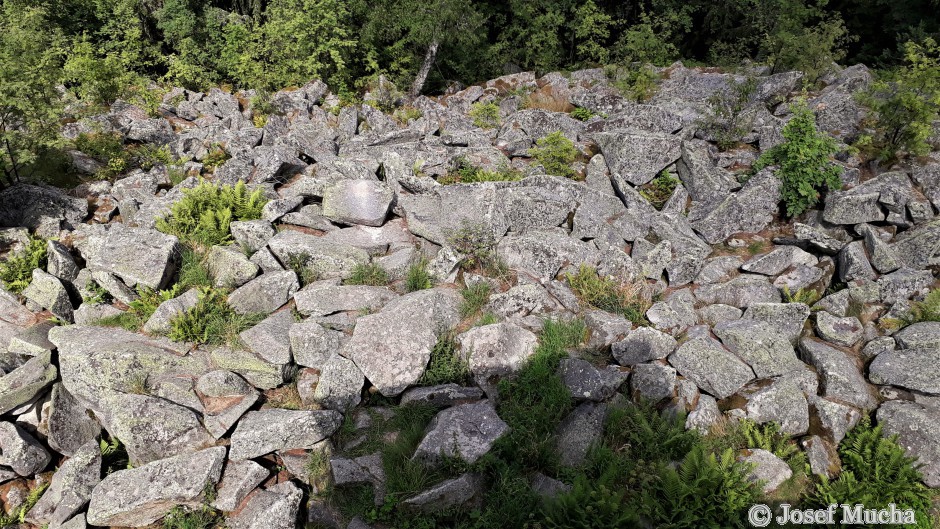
pixel 446 364
pixel 632 300
pixel 368 274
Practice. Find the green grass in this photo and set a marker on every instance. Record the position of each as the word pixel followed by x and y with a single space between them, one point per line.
pixel 446 364
pixel 140 309
pixel 188 518
pixel 418 277
pixel 212 321
pixel 465 173
pixel 632 300
pixel 475 298
pixel 368 274
pixel 660 189
pixel 298 263
pixel 926 310
pixel 193 272
pixel 17 271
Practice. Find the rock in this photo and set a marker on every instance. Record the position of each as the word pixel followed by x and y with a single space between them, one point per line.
pixel 25 382
pixel 705 415
pixel 705 181
pixel 252 235
pixel 257 371
pixel 161 320
pixel 140 496
pixel 313 344
pixel 741 292
pixel 262 432
pixel 749 210
pixel 581 429
pixel 153 428
pixel 69 424
pixel 139 256
pixel 643 345
pixel 497 349
pixel 88 314
pixel 779 259
pixel 788 318
pixel 442 396
pixel 325 258
pixel 275 209
pixel 675 314
pixel 840 376
pixel 781 402
pixel 115 287
pixel 20 451
pixel 916 427
pixel 467 431
pixel 521 301
pixel 586 382
pixel 816 238
pixel 605 328
pixel 883 257
pixel 32 207
pixel 264 294
pixel 270 339
pixel 323 299
pixel 225 396
pixel 449 494
pixel 238 480
pixel 713 369
pixel 340 384
pixel 713 315
pixel 823 458
pixel 920 247
pixel 915 369
pixel 863 202
pixel 70 488
pixel 275 507
pixel 392 348
pixel 544 253
pixel 853 263
pixel 60 262
pixel 917 335
pixel 763 347
pixel 769 470
pixel 638 156
pixel 363 202
pixel 833 419
pixel 49 293
pixel 845 331
pixel 903 284
pixel 718 269
pixel 229 267
pixel 652 382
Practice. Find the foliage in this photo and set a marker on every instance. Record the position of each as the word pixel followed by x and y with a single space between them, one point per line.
pixel 647 434
pixel 726 121
pixel 485 115
pixel 212 321
pixel 876 471
pixel 804 161
pixel 216 156
pixel 17 271
pixel 204 214
pixel 297 262
pixel 802 295
pixel 418 277
pixel 582 114
pixel 660 189
pixel 591 30
pixel 555 153
pixel 636 83
pixel 203 517
pixel 465 173
pixel 476 243
pixel 447 364
pixel 475 297
pixel 648 41
pixel 406 114
pixel 632 299
pixel 906 105
pixel 114 456
pixel 926 310
pixel 590 505
pixel 809 49
pixel 193 271
pixel 141 309
pixel 368 274
pixel 18 515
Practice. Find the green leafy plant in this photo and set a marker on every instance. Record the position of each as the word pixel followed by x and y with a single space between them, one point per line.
pixel 193 271
pixel 465 173
pixel 212 321
pixel 114 456
pixel 406 114
pixel 17 271
pixel 582 114
pixel 95 294
pixel 802 295
pixel 804 161
pixel 632 299
pixel 446 365
pixel 141 309
pixel 635 83
pixel 368 274
pixel 926 310
pixel 647 435
pixel 659 189
pixel 261 108
pixel 485 115
pixel 555 153
pixel 726 120
pixel 297 262
pixel 216 156
pixel 418 277
pixel 204 214
pixel 18 515
pixel 590 505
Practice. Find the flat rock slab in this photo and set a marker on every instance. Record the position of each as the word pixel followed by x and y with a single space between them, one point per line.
pixel 264 294
pixel 26 381
pixel 321 299
pixel 841 379
pixel 714 369
pixel 917 369
pixel 326 258
pixel 71 487
pixel 139 256
pixel 265 431
pixel 467 431
pixel 762 346
pixel 272 508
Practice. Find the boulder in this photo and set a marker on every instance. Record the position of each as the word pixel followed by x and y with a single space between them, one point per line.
pixel 714 369
pixel 922 334
pixel 47 291
pixel 324 258
pixel 363 202
pixel 448 494
pixel 265 431
pixel 24 383
pixel 275 507
pixel 70 488
pixel 788 318
pixel 741 292
pixel 579 431
pixel 225 397
pixel 643 345
pixel 749 210
pixel 544 253
pixel 264 294
pixel 497 349
pixel 312 344
pixel 69 425
pixel 638 156
pixel 33 207
pixel 323 298
pixel 153 428
pixel 782 402
pixel 229 267
pixel 840 376
pixel 586 382
pixel 270 338
pixel 239 479
pixel 916 368
pixel 139 256
pixel 845 331
pixel 252 235
pixel 21 451
pixel 467 431
pixel 762 346
pixel 340 384
pixel 652 382
pixel 768 470
pixel 918 435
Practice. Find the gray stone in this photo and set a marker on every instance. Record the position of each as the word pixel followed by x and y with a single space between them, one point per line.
pixel 323 298
pixel 392 348
pixel 768 470
pixel 718 269
pixel 225 397
pixel 547 487
pixel 749 210
pixel 442 396
pixel 840 376
pixel 448 494
pixel 70 488
pixel 264 294
pixel 817 238
pixel 705 181
pixel 923 334
pixel 275 209
pixel 32 206
pixel 581 429
pixel 270 339
pixel 714 369
pixel 313 344
pixel 521 301
pixel 863 202
pixel 638 156
pixel 845 331
pixel 69 425
pixel 903 284
pixel 653 382
pixel 713 315
pixel 705 415
pixel 675 314
pixel 781 402
pixel 140 496
pixel 252 235
pixel 256 370
pixel 823 458
pixel 238 480
pixel 271 430
pixel 49 293
pixel 340 384
pixel 918 435
pixel 741 292
pixel 544 253
pixel 60 262
pixel 605 328
pixel 229 267
pixel 160 321
pixel 920 247
pixel 115 287
pixel 642 345
pixel 24 383
pixel 153 428
pixel 586 382
pixel 325 258
pixel 88 314
pixel 834 419
pixel 882 256
pixel 467 431
pixel 779 259
pixel 497 349
pixel 21 451
pixel 788 318
pixel 763 347
pixel 139 256
pixel 915 368
pixel 32 341
pixel 853 263
pixel 358 202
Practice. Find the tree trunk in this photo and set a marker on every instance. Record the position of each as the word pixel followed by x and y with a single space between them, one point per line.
pixel 422 76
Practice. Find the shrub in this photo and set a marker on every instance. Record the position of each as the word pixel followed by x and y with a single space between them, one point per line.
pixel 204 214
pixel 212 321
pixel 590 505
pixel 464 173
pixel 216 156
pixel 446 365
pixel 477 244
pixel 101 146
pixel 582 114
pixel 368 274
pixel 620 297
pixel 659 190
pixel 906 104
pixel 811 50
pixel 417 277
pixel 261 108
pixel 405 114
pixel 17 271
pixel 636 83
pixel 726 121
pixel 648 435
pixel 926 310
pixel 555 153
pixel 804 160
pixel 485 115
pixel 147 156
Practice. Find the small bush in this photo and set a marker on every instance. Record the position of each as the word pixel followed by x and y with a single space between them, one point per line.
pixel 636 84
pixel 485 115
pixel 582 114
pixel 205 213
pixel 446 365
pixel 620 297
pixel 405 114
pixel 660 189
pixel 216 156
pixel 477 244
pixel 417 277
pixel 212 321
pixel 464 173
pixel 141 309
pixel 926 310
pixel 804 160
pixel 802 295
pixel 17 271
pixel 368 274
pixel 726 121
pixel 147 156
pixel 590 505
pixel 261 108
pixel 555 153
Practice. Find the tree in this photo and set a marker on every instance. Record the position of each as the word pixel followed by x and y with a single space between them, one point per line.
pixel 31 57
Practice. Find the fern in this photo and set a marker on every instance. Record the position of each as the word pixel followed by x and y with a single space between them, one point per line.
pixel 589 505
pixel 204 215
pixel 17 272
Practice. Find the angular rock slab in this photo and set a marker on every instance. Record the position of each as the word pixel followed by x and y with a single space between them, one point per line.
pixel 272 508
pixel 840 377
pixel 916 369
pixel 916 427
pixel 763 347
pixel 327 259
pixel 139 256
pixel 25 382
pixel 238 480
pixel 20 451
pixel 364 202
pixel 264 294
pixel 265 431
pixel 467 431
pixel 714 369
pixel 769 470
pixel 152 428
pixel 140 496
pixel 69 424
pixel 636 155
pixel 71 487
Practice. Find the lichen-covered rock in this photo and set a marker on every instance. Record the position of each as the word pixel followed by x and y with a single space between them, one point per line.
pixel 48 292
pixel 225 397
pixel 340 384
pixel 442 396
pixel 312 344
pixel 69 426
pixel 271 430
pixel 139 256
pixel 921 334
pixel 845 331
pixel 653 382
pixel 71 487
pixel 643 345
pixel 586 382
pixel 763 347
pixel 152 428
pixel 638 156
pixel 264 294
pixel 161 319
pixel 323 298
pixel 36 206
pixel 840 377
pixel 26 381
pixel 240 478
pixel 580 430
pixel 741 292
pixel 21 451
pixel 920 247
pixel 788 318
pixel 544 253
pixel 448 494
pixel 467 431
pixel 270 339
pixel 252 234
pixel 918 435
pixel 325 258
pixel 497 349
pixel 358 202
pixel 714 369
pixel 749 210
pixel 783 403
pixel 915 368
pixel 229 267
pixel 768 469
pixel 272 508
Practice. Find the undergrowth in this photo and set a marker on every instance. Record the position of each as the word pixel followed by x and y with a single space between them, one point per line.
pixel 631 299
pixel 447 365
pixel 368 274
pixel 17 271
pixel 417 277
pixel 212 321
pixel 555 153
pixel 465 173
pixel 660 189
pixel 204 215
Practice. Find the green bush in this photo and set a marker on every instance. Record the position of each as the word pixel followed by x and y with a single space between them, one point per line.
pixel 647 434
pixel 876 471
pixel 212 321
pixel 555 153
pixel 590 505
pixel 804 160
pixel 636 83
pixel 811 50
pixel 905 104
pixel 204 214
pixel 619 297
pixel 368 274
pixel 417 277
pixel 216 156
pixel 141 309
pixel 17 271
pixel 485 115
pixel 660 189
pixel 582 114
pixel 447 364
pixel 726 121
pixel 926 310
pixel 477 244
pixel 464 173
